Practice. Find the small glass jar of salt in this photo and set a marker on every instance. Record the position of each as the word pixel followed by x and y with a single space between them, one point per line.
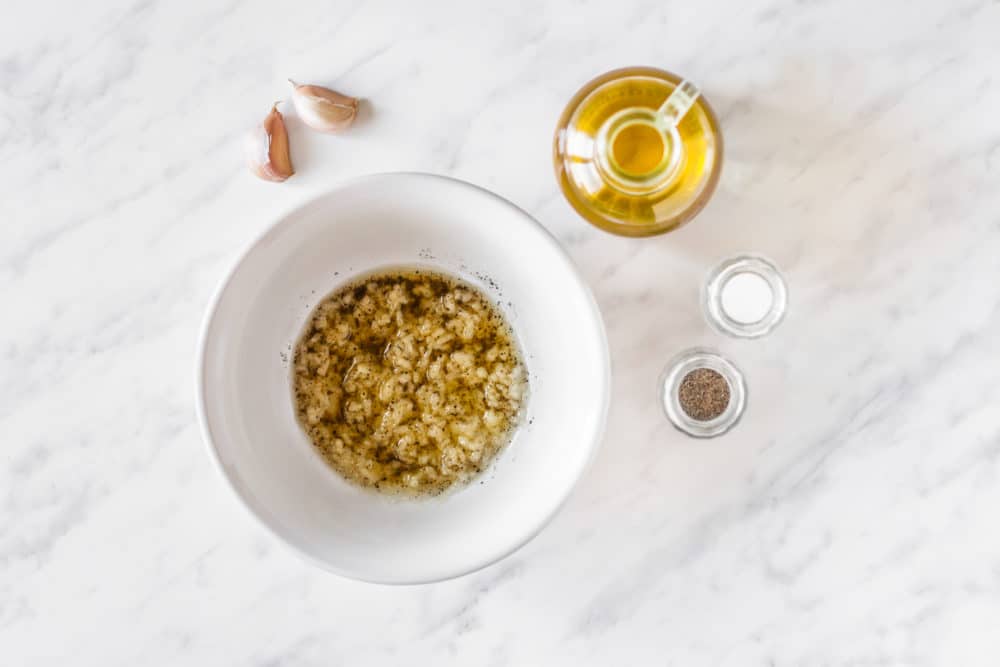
pixel 745 296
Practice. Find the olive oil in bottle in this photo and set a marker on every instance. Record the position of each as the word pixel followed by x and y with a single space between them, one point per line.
pixel 638 151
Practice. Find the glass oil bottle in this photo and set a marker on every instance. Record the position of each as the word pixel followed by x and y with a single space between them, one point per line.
pixel 638 151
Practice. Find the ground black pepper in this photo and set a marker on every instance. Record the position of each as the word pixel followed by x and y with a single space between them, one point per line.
pixel 703 394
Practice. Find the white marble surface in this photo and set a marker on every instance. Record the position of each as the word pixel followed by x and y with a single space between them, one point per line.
pixel 851 519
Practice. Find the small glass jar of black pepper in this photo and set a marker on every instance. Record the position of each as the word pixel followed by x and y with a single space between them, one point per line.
pixel 703 393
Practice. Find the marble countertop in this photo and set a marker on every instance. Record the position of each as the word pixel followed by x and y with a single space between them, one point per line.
pixel 850 519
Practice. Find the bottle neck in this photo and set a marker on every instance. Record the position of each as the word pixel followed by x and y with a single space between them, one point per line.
pixel 636 152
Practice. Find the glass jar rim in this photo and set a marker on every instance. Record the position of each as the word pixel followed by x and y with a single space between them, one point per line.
pixel 715 284
pixel 670 382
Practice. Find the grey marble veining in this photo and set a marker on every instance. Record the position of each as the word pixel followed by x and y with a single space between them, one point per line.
pixel 850 519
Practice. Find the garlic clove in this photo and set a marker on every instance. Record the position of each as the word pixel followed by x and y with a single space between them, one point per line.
pixel 323 109
pixel 266 148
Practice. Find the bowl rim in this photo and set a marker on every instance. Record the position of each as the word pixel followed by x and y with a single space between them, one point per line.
pixel 533 528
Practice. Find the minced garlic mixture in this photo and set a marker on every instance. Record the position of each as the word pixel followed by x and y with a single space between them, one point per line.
pixel 408 380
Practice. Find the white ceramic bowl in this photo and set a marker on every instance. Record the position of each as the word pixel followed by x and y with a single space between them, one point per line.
pixel 244 384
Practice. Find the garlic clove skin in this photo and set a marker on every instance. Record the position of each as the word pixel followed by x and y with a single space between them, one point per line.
pixel 266 148
pixel 323 109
